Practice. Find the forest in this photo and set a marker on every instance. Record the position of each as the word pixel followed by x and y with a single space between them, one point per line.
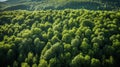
pixel 59 4
pixel 60 38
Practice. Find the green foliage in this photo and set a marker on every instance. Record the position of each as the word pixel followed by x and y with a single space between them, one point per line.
pixel 80 60
pixel 61 4
pixel 15 64
pixel 55 50
pixel 66 38
pixel 60 38
pixel 87 23
pixel 24 65
pixel 95 62
pixel 43 63
pixel 29 58
pixel 75 42
pixel 54 62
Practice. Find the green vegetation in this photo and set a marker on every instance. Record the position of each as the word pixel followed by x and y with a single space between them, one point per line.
pixel 60 4
pixel 60 38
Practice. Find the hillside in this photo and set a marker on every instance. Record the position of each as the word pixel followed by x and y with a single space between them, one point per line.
pixel 60 38
pixel 60 4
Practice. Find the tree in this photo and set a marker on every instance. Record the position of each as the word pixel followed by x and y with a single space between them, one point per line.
pixel 67 57
pixel 26 43
pixel 67 48
pixel 20 58
pixel 48 46
pixel 35 59
pixel 10 56
pixel 96 50
pixel 38 45
pixel 15 64
pixel 55 39
pixel 100 40
pixel 36 41
pixel 87 23
pixel 84 46
pixel 34 65
pixel 55 50
pixel 25 64
pixel 88 33
pixel 18 40
pixel 29 59
pixel 50 33
pixel 66 38
pixel 75 42
pixel 36 31
pixel 78 60
pixel 54 62
pixel 26 33
pixel 57 27
pixel 109 62
pixel 95 62
pixel 87 61
pixel 71 23
pixel 43 63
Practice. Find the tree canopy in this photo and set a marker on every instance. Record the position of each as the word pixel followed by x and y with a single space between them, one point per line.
pixel 60 38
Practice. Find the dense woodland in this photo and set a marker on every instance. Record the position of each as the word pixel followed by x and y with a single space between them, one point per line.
pixel 60 38
pixel 59 4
